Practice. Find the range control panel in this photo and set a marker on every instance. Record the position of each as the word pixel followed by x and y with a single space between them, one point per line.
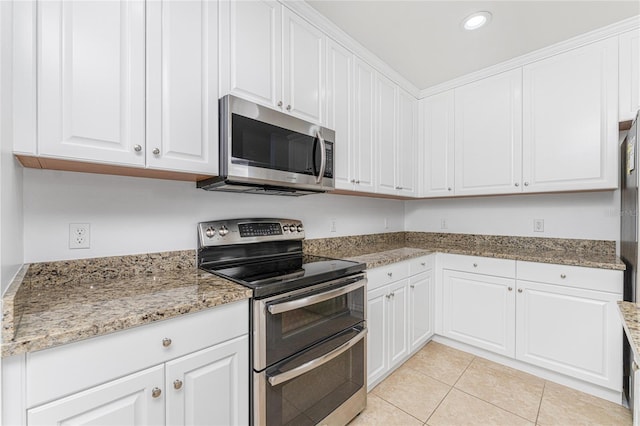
pixel 243 231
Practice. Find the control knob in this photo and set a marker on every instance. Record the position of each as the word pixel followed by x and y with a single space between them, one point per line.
pixel 300 228
pixel 210 232
pixel 223 231
pixel 285 228
pixel 293 228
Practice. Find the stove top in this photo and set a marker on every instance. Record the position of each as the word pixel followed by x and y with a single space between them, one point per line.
pixel 267 277
pixel 265 255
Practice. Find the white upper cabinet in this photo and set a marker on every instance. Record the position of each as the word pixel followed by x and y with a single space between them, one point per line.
pixel 386 111
pixel 339 116
pixel 629 75
pixel 363 147
pixel 488 135
pixel 406 144
pixel 91 81
pixel 275 57
pixel 437 145
pixel 570 120
pixel 182 86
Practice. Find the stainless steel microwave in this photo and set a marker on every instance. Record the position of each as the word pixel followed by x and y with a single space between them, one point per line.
pixel 269 152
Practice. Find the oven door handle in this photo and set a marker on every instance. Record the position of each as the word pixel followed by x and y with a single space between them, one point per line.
pixel 315 363
pixel 278 308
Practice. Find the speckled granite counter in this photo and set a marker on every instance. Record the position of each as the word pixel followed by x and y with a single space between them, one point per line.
pixel 630 314
pixel 383 249
pixel 54 303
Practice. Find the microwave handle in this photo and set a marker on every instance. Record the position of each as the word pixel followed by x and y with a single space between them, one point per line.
pixel 279 308
pixel 323 157
pixel 315 363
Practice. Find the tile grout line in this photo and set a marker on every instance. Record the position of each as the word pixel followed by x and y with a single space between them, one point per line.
pixel 544 387
pixel 450 389
pixel 395 406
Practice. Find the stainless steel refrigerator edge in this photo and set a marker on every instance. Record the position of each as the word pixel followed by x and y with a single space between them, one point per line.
pixel 629 235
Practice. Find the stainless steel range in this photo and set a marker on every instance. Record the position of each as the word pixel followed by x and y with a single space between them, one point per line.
pixel 308 336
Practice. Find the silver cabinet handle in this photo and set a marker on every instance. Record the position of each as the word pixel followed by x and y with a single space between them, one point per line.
pixel 353 181
pixel 388 296
pixel 166 342
pixel 156 151
pixel 316 298
pixel 519 290
pixel 298 371
pixel 412 286
pixel 390 274
pixel 517 184
pixel 177 384
pixel 475 265
pixel 323 157
pixel 358 182
pixel 563 276
pixel 526 184
pixel 423 263
pixel 448 189
pixel 137 148
pixel 156 392
pixel 510 288
pixel 280 103
pixel 288 107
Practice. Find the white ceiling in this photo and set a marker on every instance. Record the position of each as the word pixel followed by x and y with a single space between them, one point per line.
pixel 423 40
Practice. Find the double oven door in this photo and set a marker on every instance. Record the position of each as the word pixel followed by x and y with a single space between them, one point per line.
pixel 309 351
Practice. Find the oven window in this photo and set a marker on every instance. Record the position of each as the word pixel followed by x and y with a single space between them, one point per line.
pixel 309 398
pixel 259 144
pixel 292 331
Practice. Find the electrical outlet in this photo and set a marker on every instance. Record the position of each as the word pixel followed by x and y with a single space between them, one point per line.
pixel 79 235
pixel 333 225
pixel 443 223
pixel 538 225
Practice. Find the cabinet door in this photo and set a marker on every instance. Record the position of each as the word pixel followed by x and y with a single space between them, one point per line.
pixel 126 401
pixel 573 331
pixel 406 144
pixel 385 119
pixel 91 80
pixel 182 82
pixel 211 386
pixel 488 135
pixel 377 319
pixel 303 67
pixel 438 145
pixel 398 322
pixel 363 139
pixel 629 75
pixel 570 125
pixel 479 310
pixel 340 110
pixel 421 307
pixel 254 50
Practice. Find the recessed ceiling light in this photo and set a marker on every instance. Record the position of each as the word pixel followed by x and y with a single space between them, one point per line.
pixel 476 20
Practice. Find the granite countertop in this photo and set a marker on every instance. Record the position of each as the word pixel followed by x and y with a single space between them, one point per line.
pixel 630 313
pixel 42 314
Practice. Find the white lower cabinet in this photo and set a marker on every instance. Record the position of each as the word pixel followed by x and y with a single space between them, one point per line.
pixel 197 373
pixel 399 314
pixel 126 401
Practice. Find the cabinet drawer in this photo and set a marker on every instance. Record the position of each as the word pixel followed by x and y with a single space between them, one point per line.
pixel 480 265
pixel 383 275
pixel 572 276
pixel 421 264
pixel 59 371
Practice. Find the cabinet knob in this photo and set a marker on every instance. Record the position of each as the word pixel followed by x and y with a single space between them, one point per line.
pixel 279 103
pixel 156 392
pixel 510 288
pixel 398 187
pixel 166 342
pixel 177 384
pixel 526 184
pixel 288 107
pixel 390 274
pixel 392 294
pixel 156 151
pixel 475 265
pixel 353 181
pixel 137 148
pixel 388 296
pixel 423 263
pixel 448 189
pixel 563 276
pixel 519 290
pixel 412 286
pixel 358 182
pixel 516 184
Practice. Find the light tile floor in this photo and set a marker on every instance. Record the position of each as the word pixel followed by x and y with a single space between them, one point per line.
pixel 443 386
